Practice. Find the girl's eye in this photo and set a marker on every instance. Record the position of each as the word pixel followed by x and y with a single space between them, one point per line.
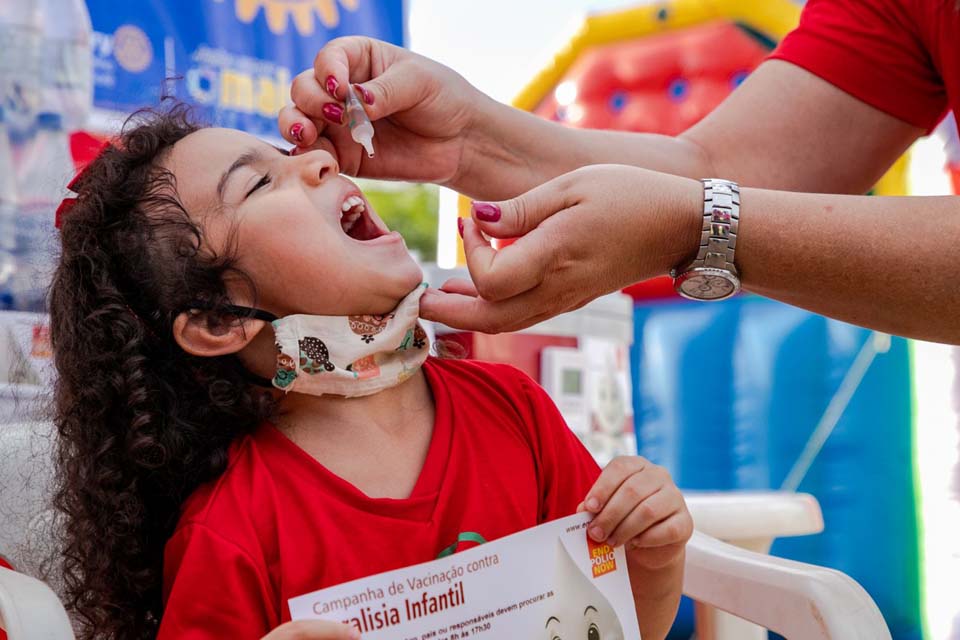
pixel 593 633
pixel 264 181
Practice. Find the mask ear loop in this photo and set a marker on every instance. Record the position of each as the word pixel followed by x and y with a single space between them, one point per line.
pixel 249 312
pixel 240 312
pixel 257 380
pixel 233 310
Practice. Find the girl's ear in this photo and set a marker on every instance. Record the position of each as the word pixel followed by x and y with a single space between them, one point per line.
pixel 197 336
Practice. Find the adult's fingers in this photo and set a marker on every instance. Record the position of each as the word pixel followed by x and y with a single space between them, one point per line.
pixel 311 99
pixel 459 285
pixel 399 88
pixel 518 216
pixel 386 76
pixel 298 128
pixel 522 265
pixel 508 272
pixel 472 313
pixel 346 60
pixel 309 134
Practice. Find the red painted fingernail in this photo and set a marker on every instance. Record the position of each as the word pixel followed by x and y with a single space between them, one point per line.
pixel 366 95
pixel 296 132
pixel 486 211
pixel 333 112
pixel 460 226
pixel 332 86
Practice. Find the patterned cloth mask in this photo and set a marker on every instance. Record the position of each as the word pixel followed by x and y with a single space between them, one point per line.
pixel 350 356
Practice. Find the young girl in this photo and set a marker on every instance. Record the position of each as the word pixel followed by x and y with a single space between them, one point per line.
pixel 246 411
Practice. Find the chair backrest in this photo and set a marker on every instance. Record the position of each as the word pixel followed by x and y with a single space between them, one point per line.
pixel 29 610
pixel 794 599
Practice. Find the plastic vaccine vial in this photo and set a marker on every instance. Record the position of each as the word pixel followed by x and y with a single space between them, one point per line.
pixel 361 129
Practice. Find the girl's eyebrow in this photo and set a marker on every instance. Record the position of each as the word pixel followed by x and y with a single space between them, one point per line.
pixel 245 160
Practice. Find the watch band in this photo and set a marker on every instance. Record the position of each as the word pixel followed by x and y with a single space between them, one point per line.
pixel 721 218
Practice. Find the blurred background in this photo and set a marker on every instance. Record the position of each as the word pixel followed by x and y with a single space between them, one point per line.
pixel 865 423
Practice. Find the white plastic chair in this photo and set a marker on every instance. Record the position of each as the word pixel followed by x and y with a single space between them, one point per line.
pixel 30 610
pixel 799 601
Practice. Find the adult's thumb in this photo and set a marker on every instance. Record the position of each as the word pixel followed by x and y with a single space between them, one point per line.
pixel 396 89
pixel 518 216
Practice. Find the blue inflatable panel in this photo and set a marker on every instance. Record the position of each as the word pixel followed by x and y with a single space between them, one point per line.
pixel 726 396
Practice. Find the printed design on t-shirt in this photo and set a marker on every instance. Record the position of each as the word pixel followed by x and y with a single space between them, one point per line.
pixel 414 338
pixel 365 368
pixel 368 326
pixel 314 356
pixel 465 538
pixel 286 369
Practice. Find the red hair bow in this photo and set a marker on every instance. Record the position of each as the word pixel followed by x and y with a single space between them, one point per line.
pixel 68 203
pixel 65 205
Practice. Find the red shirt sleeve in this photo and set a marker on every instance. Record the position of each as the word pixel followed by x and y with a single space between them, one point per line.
pixel 566 469
pixel 871 49
pixel 214 589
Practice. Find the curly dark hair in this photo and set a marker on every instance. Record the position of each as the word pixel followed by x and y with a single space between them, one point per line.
pixel 141 423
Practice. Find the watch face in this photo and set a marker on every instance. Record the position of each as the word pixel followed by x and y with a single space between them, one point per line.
pixel 707 286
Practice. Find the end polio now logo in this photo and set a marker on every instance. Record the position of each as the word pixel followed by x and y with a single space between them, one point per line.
pixel 602 560
pixel 302 12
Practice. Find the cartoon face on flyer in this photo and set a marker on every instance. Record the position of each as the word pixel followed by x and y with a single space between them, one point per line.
pixel 550 582
pixel 579 609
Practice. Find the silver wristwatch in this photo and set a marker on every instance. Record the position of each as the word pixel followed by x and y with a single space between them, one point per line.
pixel 713 275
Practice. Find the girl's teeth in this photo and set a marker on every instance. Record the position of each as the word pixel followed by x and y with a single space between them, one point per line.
pixel 350 202
pixel 351 211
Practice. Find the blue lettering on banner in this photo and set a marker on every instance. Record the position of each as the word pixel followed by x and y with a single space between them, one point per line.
pixel 233 59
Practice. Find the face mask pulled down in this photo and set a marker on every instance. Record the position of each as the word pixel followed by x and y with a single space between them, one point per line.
pixel 350 356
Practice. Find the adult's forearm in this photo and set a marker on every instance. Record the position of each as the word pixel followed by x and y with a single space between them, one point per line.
pixel 510 151
pixel 881 262
pixel 784 128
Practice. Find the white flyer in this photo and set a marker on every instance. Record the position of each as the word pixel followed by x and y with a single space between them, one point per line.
pixel 550 582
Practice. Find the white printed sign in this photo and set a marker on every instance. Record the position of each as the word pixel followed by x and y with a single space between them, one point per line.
pixel 549 582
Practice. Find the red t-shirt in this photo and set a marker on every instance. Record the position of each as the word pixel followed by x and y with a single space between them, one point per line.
pixel 900 56
pixel 277 524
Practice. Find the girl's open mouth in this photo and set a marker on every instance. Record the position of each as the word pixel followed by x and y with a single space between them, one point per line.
pixel 356 221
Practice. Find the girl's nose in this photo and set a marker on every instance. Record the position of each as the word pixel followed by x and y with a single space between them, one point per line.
pixel 317 166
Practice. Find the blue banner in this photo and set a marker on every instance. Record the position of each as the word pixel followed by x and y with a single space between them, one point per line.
pixel 233 59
